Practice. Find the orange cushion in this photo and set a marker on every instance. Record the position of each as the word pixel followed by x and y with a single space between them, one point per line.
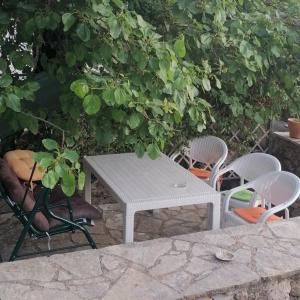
pixel 21 163
pixel 201 173
pixel 252 214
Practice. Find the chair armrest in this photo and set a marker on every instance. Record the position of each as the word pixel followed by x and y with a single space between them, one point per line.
pixel 264 217
pixel 228 194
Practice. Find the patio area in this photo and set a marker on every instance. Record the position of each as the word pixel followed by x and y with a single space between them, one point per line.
pixel 108 231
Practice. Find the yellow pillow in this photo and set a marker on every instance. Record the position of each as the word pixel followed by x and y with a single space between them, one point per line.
pixel 21 163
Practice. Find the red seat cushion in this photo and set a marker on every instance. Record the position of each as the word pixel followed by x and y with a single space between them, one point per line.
pixel 252 214
pixel 201 173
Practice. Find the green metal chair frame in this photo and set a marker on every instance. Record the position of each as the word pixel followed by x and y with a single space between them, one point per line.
pixel 26 218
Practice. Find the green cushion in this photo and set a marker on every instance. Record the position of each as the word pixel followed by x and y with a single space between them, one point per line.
pixel 244 195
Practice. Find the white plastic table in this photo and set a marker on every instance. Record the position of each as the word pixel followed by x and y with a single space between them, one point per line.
pixel 144 184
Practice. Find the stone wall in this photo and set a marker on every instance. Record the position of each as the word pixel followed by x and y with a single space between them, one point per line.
pixel 266 266
pixel 287 150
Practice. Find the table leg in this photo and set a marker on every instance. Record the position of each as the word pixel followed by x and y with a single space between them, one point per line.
pixel 128 229
pixel 214 214
pixel 88 185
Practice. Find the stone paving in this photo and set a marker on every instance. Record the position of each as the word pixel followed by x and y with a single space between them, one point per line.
pixel 108 231
pixel 266 266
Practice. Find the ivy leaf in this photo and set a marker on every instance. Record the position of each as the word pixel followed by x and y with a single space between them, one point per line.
pixel 179 47
pixel 135 120
pixel 80 87
pixel 91 104
pixel 153 151
pixel 13 102
pixel 206 84
pixel 68 184
pixel 70 155
pixel 68 20
pixel 50 144
pixel 5 81
pixel 83 32
pixel 50 179
pixel 81 180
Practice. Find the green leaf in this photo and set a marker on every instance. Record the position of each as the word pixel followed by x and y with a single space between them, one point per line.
pixel 68 20
pixel 118 3
pixel 153 151
pixel 135 120
pixel 68 184
pixel 45 162
pixel 33 125
pixel 179 47
pixel 91 104
pixel 120 96
pixel 50 144
pixel 70 155
pixel 70 59
pixel 114 27
pixel 139 150
pixel 4 18
pixel 13 102
pixel 61 169
pixel 81 180
pixel 5 81
pixel 83 32
pixel 108 96
pixel 38 156
pixel 33 86
pixel 40 21
pixel 118 115
pixel 80 88
pixel 206 39
pixel 105 136
pixel 275 50
pixel 206 84
pixel 3 65
pixel 50 179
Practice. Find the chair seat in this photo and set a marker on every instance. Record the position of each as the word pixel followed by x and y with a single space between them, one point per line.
pixel 252 214
pixel 201 173
pixel 80 208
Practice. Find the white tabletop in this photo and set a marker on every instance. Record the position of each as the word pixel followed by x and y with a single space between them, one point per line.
pixel 136 179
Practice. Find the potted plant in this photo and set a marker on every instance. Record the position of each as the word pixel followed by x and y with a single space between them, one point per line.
pixel 294 127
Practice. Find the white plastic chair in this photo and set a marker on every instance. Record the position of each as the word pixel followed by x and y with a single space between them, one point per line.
pixel 210 151
pixel 248 167
pixel 278 190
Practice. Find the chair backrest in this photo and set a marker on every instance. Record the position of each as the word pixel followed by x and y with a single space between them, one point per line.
pixel 250 166
pixel 209 150
pixel 277 188
pixel 13 193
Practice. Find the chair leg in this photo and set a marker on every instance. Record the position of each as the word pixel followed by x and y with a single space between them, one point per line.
pixel 26 228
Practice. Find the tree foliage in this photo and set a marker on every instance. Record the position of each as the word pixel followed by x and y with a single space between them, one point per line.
pixel 247 52
pixel 142 73
pixel 113 69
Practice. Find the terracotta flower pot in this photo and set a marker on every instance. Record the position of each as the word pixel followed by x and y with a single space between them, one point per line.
pixel 294 128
